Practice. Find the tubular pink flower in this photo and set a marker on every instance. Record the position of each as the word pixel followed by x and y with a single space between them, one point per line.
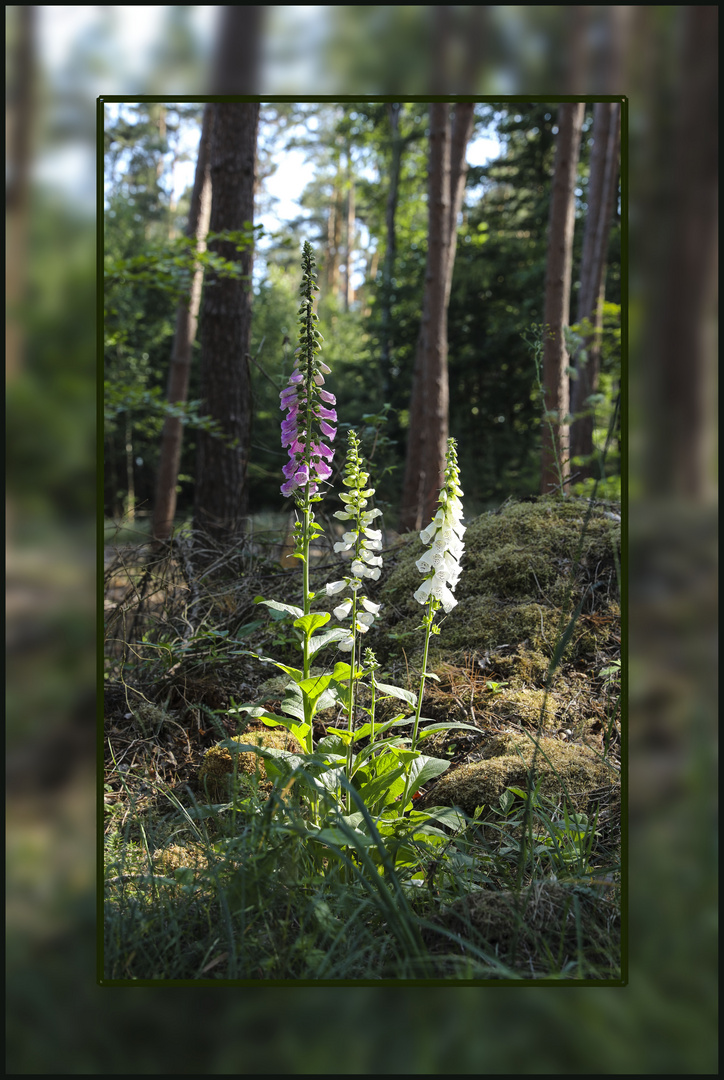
pixel 308 407
pixel 320 450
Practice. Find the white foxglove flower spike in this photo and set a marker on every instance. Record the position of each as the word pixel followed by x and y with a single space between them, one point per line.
pixel 362 542
pixel 444 534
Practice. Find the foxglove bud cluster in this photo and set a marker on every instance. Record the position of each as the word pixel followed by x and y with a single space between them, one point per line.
pixel 310 410
pixel 363 541
pixel 441 564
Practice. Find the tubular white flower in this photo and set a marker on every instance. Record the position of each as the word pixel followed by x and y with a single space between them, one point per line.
pixel 343 610
pixel 362 541
pixel 443 535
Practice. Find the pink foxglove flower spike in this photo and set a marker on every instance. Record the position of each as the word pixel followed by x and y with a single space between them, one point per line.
pixel 308 416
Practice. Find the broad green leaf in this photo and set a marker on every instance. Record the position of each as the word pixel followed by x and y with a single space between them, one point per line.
pixel 314 687
pixel 397 721
pixel 333 835
pixel 289 609
pixel 398 692
pixel 309 623
pixel 257 711
pixel 300 731
pixel 382 784
pixel 318 642
pixel 341 671
pixel 334 743
pixel 295 673
pixel 423 733
pixel 424 769
pixel 292 706
pixel 373 748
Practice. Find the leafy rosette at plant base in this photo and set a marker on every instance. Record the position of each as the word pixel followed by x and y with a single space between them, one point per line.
pixel 311 416
pixel 444 534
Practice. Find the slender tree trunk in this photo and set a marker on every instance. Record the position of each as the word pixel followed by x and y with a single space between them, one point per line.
pixel 680 336
pixel 187 314
pixel 235 68
pixel 555 465
pixel 221 495
pixel 348 287
pixel 20 118
pixel 331 273
pixel 330 262
pixel 130 475
pixel 428 426
pixel 388 267
pixel 602 185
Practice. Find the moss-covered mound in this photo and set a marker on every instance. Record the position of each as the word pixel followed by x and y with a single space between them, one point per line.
pixel 516 590
pixel 217 766
pixel 574 772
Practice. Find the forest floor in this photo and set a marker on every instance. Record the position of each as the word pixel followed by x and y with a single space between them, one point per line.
pixel 529 660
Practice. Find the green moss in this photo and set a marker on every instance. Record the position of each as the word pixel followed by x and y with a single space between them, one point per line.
pixel 515 588
pixel 562 769
pixel 217 766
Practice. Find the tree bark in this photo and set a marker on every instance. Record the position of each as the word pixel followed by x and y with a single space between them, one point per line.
pixel 679 338
pixel 331 271
pixel 428 424
pixel 221 497
pixel 388 266
pixel 235 69
pixel 555 465
pixel 602 186
pixel 21 110
pixel 348 287
pixel 187 314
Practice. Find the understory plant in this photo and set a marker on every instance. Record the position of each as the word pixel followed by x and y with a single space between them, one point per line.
pixel 358 784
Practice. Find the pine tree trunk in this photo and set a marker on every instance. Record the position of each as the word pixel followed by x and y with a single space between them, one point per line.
pixel 555 465
pixel 348 286
pixel 221 497
pixel 429 403
pixel 679 339
pixel 187 314
pixel 388 267
pixel 602 184
pixel 20 119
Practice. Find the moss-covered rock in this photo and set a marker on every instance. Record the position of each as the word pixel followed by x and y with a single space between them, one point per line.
pixel 217 766
pixel 575 772
pixel 517 587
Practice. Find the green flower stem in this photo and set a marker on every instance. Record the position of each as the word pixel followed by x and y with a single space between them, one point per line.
pixel 429 620
pixel 306 603
pixel 352 686
pixel 373 688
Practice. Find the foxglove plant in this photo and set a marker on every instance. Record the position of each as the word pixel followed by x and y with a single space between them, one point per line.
pixel 309 420
pixel 363 542
pixel 441 564
pixel 310 415
pixel 380 773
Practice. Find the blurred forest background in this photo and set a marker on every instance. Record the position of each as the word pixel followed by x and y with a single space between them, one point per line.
pixel 365 211
pixel 664 59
